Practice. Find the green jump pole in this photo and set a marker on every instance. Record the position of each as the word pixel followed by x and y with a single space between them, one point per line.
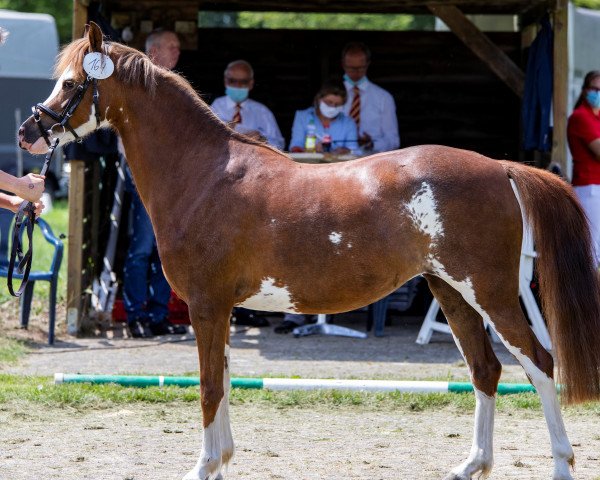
pixel 292 383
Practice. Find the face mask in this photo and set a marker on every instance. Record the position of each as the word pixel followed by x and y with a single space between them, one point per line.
pixel 352 82
pixel 329 112
pixel 238 95
pixel 593 98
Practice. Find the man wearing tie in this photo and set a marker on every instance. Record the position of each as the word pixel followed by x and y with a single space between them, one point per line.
pixel 370 106
pixel 242 113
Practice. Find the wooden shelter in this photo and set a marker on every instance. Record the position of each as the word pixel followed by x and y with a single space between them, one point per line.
pixel 461 87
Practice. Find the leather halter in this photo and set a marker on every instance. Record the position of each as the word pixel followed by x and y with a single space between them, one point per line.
pixel 26 213
pixel 63 118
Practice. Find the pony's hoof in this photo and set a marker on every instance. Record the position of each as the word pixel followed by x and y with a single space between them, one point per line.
pixel 454 476
pixel 194 475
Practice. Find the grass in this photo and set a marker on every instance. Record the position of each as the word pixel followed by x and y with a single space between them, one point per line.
pixel 41 390
pixel 10 350
pixel 58 219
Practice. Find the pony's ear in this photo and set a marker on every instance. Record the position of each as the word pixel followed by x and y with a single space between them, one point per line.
pixel 94 35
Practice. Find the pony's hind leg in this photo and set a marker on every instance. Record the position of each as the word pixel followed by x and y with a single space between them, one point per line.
pixel 212 339
pixel 474 345
pixel 504 314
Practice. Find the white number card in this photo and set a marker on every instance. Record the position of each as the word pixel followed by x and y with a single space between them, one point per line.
pixel 98 66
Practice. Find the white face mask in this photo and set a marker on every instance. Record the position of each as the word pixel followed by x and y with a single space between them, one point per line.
pixel 329 112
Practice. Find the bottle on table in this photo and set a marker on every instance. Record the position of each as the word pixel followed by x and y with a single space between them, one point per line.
pixel 310 142
pixel 326 143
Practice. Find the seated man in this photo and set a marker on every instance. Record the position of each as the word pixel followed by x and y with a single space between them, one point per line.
pixel 242 113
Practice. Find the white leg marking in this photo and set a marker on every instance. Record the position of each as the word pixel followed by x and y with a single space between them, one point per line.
pixel 481 458
pixel 217 441
pixel 561 447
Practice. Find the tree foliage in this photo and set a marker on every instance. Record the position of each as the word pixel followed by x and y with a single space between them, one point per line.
pixel 61 10
pixel 593 4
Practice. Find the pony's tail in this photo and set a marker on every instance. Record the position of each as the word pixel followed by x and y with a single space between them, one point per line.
pixel 569 287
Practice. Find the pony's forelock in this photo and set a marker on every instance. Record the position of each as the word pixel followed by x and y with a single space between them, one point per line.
pixel 132 67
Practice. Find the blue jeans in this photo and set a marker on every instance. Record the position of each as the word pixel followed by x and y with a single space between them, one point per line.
pixel 146 291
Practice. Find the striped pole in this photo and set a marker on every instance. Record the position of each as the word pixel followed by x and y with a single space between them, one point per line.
pixel 293 384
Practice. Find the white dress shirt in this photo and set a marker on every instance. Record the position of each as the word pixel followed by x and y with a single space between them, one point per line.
pixel 377 115
pixel 255 116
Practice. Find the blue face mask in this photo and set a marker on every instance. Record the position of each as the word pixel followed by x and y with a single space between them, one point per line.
pixel 593 98
pixel 238 95
pixel 352 82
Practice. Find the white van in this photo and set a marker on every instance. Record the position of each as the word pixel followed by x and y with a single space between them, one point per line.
pixel 26 64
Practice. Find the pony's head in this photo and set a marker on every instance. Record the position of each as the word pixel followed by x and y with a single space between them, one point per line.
pixel 74 108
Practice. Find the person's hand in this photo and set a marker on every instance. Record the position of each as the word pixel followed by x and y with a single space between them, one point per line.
pixel 365 141
pixel 296 149
pixel 30 187
pixel 15 203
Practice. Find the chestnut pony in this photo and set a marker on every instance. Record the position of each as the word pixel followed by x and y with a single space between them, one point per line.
pixel 239 223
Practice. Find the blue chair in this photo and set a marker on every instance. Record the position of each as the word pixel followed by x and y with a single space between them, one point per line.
pixel 400 299
pixel 51 275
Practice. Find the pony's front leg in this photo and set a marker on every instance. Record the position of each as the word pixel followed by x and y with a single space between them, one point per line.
pixel 212 339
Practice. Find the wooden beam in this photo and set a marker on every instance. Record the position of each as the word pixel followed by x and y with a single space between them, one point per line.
pixel 75 243
pixel 482 46
pixel 561 86
pixel 80 16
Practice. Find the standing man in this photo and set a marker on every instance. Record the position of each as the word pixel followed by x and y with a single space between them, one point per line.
pixel 244 114
pixel 146 292
pixel 371 107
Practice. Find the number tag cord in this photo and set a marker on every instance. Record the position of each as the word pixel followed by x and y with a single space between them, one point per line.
pixel 25 215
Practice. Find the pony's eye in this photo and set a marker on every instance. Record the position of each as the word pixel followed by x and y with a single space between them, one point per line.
pixel 68 84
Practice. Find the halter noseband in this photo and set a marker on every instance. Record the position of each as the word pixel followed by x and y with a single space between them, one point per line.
pixel 63 118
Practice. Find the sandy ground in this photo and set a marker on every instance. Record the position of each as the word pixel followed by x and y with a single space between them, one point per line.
pixel 163 441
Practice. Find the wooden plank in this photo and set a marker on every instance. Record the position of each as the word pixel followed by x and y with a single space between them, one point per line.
pixel 482 46
pixel 79 18
pixel 561 86
pixel 75 243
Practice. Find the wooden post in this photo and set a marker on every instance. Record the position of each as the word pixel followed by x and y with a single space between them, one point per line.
pixel 561 86
pixel 480 44
pixel 79 18
pixel 75 242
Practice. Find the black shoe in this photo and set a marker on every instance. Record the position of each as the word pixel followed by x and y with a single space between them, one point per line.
pixel 249 320
pixel 139 328
pixel 164 327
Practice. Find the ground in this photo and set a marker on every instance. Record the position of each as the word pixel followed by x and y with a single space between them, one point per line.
pixel 144 441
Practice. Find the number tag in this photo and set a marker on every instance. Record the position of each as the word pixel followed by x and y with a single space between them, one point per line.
pixel 98 66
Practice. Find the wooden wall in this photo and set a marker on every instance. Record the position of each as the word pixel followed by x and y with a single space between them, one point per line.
pixel 443 93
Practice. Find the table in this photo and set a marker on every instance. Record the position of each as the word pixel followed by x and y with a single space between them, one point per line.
pixel 316 157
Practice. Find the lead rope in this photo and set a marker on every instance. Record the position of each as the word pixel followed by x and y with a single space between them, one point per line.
pixel 25 214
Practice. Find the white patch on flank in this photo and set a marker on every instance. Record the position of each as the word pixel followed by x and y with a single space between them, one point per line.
pixel 481 458
pixel 561 447
pixel 216 439
pixel 66 75
pixel 422 209
pixel 270 298
pixel 335 238
pixel 349 245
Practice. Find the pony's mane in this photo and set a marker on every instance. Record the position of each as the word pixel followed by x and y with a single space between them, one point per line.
pixel 134 68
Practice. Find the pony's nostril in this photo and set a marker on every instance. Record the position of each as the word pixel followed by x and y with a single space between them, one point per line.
pixel 21 131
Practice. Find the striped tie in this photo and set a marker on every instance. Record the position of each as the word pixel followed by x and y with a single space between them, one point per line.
pixel 237 116
pixel 355 107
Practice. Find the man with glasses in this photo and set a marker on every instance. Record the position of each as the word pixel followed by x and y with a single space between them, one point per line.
pixel 371 107
pixel 242 113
